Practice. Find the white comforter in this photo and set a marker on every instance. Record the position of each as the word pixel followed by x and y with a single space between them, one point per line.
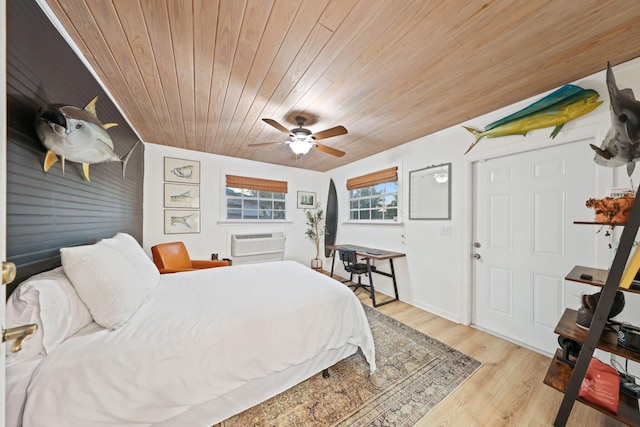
pixel 199 336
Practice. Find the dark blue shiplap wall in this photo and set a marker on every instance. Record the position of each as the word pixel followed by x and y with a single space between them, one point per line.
pixel 47 211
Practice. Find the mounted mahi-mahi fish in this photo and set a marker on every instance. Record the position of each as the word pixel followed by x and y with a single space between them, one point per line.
pixel 76 135
pixel 621 144
pixel 555 109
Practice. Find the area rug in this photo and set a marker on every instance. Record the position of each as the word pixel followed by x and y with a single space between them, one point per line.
pixel 415 373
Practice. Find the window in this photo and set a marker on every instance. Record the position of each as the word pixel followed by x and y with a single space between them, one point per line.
pixel 375 202
pixel 255 199
pixel 374 196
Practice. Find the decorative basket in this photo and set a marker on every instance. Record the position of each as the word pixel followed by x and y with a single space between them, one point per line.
pixel 612 210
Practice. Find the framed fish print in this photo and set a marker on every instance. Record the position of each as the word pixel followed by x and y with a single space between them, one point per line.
pixel 181 196
pixel 181 222
pixel 180 170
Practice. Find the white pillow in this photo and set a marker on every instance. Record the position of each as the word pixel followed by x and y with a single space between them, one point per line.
pixel 107 281
pixel 132 249
pixel 49 300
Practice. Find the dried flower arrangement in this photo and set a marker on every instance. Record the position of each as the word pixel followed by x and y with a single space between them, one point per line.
pixel 612 210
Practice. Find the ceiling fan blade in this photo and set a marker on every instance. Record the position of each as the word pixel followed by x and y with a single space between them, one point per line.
pixel 277 126
pixel 265 143
pixel 338 130
pixel 329 150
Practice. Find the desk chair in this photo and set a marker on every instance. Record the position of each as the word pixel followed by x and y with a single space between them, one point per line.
pixel 352 266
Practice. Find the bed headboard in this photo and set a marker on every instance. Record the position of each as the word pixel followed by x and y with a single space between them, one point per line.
pixel 47 211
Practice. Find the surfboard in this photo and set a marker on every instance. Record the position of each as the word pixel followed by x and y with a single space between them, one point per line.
pixel 331 221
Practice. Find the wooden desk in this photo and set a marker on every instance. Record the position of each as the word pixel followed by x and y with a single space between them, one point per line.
pixel 367 255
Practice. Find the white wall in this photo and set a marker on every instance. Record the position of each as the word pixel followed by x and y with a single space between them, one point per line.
pixel 215 233
pixel 436 274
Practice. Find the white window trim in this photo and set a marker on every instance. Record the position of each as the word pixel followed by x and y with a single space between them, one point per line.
pixel 374 222
pixel 255 221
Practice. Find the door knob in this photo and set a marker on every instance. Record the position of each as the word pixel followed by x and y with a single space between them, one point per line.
pixel 476 244
pixel 8 272
pixel 476 256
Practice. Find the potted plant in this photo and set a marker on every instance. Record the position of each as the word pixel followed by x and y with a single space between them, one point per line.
pixel 315 231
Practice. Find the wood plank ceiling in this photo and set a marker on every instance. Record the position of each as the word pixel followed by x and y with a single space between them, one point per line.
pixel 201 74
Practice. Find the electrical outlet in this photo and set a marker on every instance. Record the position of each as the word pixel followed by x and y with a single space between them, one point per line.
pixel 445 230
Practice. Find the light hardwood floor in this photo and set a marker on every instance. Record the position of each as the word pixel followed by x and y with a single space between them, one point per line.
pixel 506 391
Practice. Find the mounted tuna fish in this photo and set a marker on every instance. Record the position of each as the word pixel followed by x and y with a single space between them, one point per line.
pixel 620 146
pixel 555 109
pixel 76 135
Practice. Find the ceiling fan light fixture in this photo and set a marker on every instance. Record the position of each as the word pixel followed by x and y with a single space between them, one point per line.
pixel 301 140
pixel 300 145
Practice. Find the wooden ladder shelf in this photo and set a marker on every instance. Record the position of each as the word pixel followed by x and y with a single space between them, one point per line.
pixel 629 413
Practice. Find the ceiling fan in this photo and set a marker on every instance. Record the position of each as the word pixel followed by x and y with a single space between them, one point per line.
pixel 302 140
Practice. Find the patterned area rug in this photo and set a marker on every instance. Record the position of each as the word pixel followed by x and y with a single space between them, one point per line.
pixel 415 373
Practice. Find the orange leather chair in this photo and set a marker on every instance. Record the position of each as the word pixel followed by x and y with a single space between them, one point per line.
pixel 173 257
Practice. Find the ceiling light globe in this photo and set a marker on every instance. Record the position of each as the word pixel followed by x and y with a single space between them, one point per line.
pixel 300 147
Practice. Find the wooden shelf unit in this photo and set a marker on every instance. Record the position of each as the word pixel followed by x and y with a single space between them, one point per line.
pixel 559 373
pixel 563 377
pixel 558 377
pixel 599 278
pixel 608 339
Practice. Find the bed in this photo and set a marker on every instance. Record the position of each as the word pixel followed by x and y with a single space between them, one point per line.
pixel 190 348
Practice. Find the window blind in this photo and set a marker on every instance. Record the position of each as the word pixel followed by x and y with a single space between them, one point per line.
pixel 259 184
pixel 385 175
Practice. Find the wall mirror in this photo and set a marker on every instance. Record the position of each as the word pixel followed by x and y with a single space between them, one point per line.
pixel 430 192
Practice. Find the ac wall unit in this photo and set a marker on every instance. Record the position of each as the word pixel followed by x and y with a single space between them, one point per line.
pixel 257 244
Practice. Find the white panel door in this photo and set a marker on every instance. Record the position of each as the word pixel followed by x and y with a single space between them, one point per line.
pixel 524 208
